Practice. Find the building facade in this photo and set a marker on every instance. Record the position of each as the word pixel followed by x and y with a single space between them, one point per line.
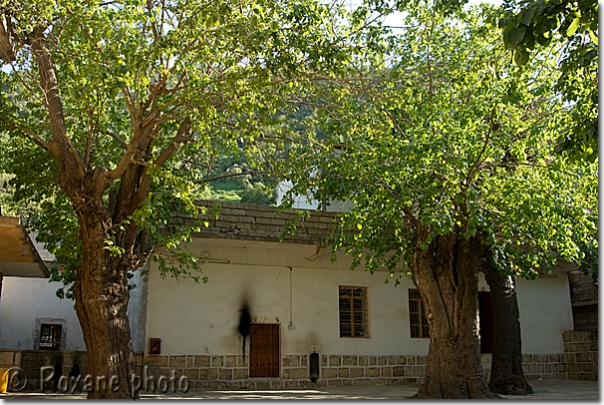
pixel 278 312
pixel 311 319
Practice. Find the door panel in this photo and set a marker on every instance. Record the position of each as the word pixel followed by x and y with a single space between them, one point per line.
pixel 264 350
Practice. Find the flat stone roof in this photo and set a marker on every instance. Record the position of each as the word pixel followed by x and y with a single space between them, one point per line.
pixel 263 223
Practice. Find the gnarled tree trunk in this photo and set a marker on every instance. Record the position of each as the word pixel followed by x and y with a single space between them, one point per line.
pixel 446 274
pixel 101 301
pixel 101 286
pixel 506 365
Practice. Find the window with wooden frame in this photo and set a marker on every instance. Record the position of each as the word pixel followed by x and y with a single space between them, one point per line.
pixel 417 315
pixel 353 312
pixel 50 337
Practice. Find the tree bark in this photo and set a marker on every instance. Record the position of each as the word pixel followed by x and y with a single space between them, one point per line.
pixel 446 274
pixel 101 287
pixel 101 296
pixel 506 364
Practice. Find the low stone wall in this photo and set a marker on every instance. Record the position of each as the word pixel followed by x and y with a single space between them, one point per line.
pixel 579 362
pixel 31 362
pixel 232 371
pixel 581 352
pixel 544 366
pixel 534 366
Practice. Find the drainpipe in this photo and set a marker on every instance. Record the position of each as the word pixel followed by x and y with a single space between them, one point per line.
pixel 291 325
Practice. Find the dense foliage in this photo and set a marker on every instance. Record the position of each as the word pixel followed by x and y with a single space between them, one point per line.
pixel 447 135
pixel 571 26
pixel 227 67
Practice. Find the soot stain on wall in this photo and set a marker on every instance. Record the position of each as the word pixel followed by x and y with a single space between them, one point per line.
pixel 245 320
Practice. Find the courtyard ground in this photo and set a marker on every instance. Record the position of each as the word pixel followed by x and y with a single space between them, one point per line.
pixel 543 390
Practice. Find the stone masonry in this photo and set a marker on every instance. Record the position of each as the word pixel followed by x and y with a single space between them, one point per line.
pixel 262 223
pixel 31 362
pixel 579 362
pixel 231 371
pixel 584 298
pixel 581 352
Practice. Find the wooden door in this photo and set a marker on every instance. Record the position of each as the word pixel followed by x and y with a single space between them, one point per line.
pixel 487 327
pixel 264 350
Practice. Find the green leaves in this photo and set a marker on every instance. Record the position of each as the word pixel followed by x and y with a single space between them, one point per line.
pixel 568 28
pixel 447 139
pixel 526 16
pixel 514 35
pixel 572 28
pixel 521 57
pixel 129 73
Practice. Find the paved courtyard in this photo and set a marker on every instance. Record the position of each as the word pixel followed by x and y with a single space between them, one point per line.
pixel 543 390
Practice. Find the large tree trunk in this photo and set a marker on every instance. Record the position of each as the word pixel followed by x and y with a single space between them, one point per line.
pixel 446 274
pixel 506 365
pixel 101 286
pixel 101 300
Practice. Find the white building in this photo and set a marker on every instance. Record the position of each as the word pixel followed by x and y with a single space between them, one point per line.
pixel 300 302
pixel 363 331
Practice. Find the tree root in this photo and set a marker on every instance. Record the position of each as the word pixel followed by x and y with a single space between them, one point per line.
pixel 510 385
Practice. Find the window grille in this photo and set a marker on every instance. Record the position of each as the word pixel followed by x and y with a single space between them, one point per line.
pixel 50 337
pixel 417 316
pixel 353 312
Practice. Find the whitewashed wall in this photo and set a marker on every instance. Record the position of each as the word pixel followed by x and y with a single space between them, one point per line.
pixel 545 313
pixel 26 301
pixel 303 202
pixel 202 319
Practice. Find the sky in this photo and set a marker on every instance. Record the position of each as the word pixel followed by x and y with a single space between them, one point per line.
pixel 394 19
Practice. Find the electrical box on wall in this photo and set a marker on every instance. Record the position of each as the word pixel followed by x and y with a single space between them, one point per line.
pixel 154 346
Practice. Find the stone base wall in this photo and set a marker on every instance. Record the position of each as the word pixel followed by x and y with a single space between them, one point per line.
pixel 534 366
pixel 31 362
pixel 544 366
pixel 581 352
pixel 579 362
pixel 232 371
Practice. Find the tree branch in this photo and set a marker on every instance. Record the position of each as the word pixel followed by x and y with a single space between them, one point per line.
pixel 71 165
pixel 119 140
pixel 483 149
pixel 34 137
pixel 7 50
pixel 126 160
pixel 181 137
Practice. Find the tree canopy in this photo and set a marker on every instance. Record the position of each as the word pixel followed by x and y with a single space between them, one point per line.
pixel 449 136
pixel 569 28
pixel 110 110
pixel 446 150
pixel 573 27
